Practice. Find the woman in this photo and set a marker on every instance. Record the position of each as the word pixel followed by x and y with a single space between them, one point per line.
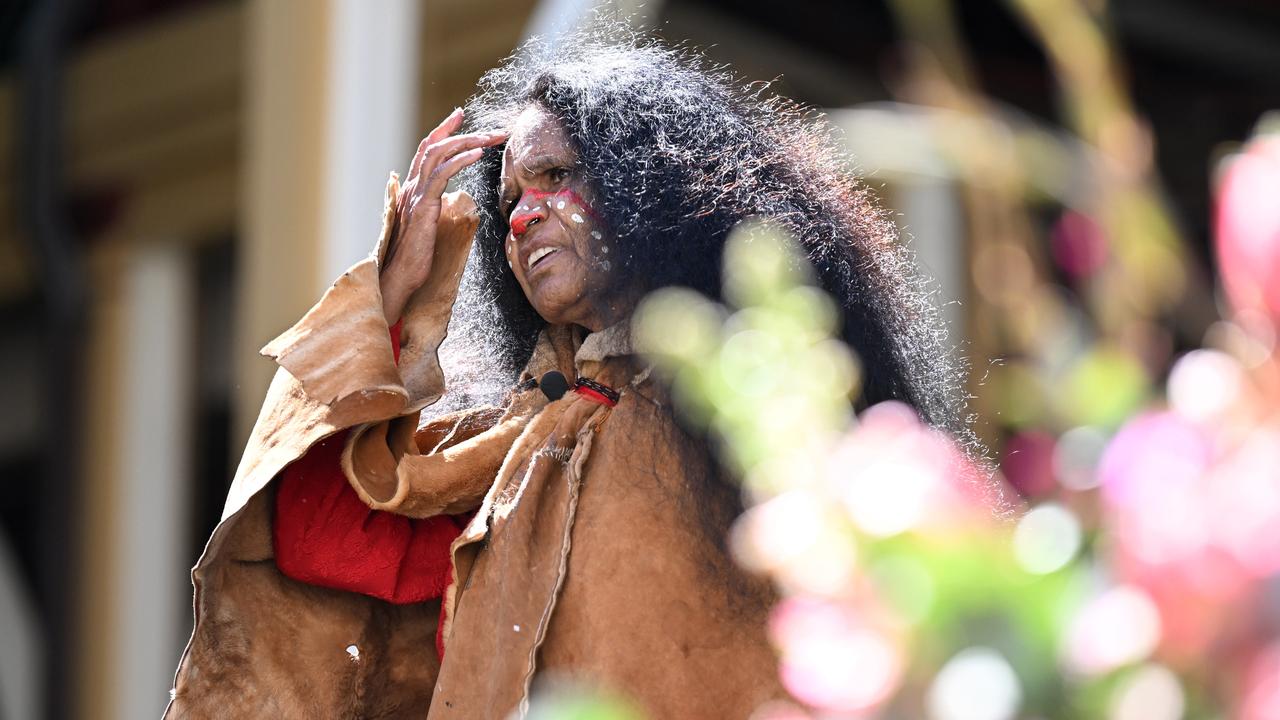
pixel 549 533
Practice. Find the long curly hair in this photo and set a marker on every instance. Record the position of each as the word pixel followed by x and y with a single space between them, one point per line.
pixel 679 153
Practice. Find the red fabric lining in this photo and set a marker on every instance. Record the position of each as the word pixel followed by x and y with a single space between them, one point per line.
pixel 395 339
pixel 325 535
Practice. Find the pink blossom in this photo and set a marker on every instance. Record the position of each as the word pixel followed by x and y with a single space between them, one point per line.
pixel 1194 514
pixel 1079 246
pixel 896 474
pixel 1150 475
pixel 1262 687
pixel 1028 462
pixel 832 658
pixel 1248 228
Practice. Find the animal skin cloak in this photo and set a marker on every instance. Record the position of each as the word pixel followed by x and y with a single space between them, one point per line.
pixel 589 556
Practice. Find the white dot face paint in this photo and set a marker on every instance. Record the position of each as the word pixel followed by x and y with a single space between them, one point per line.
pixel 604 249
pixel 596 234
pixel 354 652
pixel 516 628
pixel 569 286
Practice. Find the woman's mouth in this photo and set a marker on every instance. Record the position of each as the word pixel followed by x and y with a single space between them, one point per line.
pixel 538 255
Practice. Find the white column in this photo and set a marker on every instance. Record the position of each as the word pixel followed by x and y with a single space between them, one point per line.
pixel 552 19
pixel 934 223
pixel 152 597
pixel 899 145
pixel 22 650
pixel 372 99
pixel 21 653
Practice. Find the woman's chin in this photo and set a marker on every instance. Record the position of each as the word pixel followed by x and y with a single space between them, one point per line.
pixel 555 307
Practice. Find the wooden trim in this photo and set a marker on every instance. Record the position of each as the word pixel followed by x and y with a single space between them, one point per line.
pixel 153 104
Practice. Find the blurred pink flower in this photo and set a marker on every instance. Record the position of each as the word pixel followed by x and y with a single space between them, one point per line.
pixel 1028 462
pixel 832 658
pixel 1179 494
pixel 1120 626
pixel 1248 227
pixel 1261 697
pixel 896 474
pixel 1244 502
pixel 1150 476
pixel 1194 514
pixel 1079 246
pixel 795 538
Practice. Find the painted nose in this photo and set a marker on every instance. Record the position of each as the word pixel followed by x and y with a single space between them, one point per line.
pixel 525 219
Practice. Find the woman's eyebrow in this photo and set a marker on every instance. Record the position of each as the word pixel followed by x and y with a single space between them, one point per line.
pixel 535 165
pixel 531 166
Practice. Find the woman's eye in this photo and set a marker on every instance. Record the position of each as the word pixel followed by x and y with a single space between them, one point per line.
pixel 559 174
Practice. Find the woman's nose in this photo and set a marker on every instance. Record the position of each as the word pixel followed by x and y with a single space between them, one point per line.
pixel 528 214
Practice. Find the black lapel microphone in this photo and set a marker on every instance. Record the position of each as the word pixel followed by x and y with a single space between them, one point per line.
pixel 553 385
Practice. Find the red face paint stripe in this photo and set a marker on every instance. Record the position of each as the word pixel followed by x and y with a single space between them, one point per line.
pixel 537 195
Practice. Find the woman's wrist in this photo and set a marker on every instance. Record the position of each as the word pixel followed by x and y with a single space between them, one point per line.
pixel 394 296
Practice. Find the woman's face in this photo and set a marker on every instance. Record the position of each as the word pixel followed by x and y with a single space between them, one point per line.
pixel 556 247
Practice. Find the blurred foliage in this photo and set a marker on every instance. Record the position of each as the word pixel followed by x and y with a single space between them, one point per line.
pixel 571 701
pixel 1137 578
pixel 1134 584
pixel 877 529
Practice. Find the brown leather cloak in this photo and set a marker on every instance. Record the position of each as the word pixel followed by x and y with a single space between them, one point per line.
pixel 590 556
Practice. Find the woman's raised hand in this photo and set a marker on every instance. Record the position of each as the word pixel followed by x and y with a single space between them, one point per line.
pixel 421 214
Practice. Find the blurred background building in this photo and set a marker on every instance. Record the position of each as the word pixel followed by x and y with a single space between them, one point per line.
pixel 180 179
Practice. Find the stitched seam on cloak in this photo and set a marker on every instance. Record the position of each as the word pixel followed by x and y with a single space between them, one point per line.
pixel 505 471
pixel 566 542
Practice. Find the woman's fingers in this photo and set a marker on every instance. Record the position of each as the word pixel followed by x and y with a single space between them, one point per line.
pixel 447 127
pixel 416 165
pixel 449 147
pixel 439 178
